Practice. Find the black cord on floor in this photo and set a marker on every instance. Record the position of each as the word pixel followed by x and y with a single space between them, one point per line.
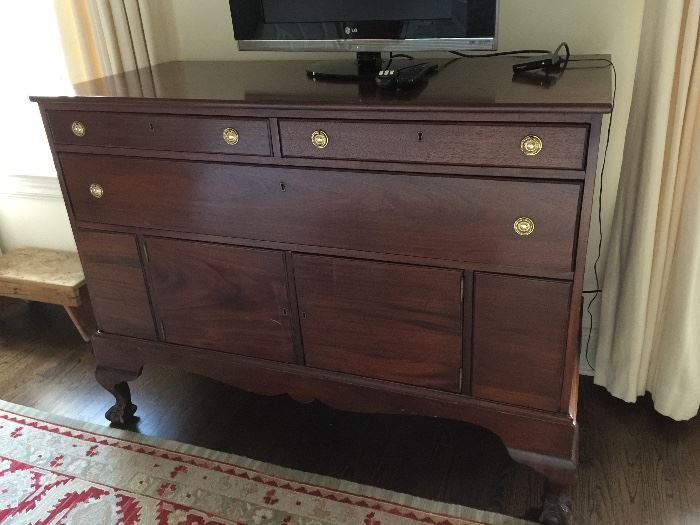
pixel 597 290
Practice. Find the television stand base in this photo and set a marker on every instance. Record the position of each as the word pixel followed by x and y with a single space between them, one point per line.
pixel 364 67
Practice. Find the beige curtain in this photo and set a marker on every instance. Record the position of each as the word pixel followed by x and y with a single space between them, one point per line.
pixel 105 37
pixel 650 319
pixel 111 35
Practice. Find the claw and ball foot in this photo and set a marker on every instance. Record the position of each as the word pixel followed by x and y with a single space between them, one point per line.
pixel 560 474
pixel 556 509
pixel 115 382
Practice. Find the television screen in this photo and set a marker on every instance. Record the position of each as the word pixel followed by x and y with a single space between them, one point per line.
pixel 303 11
pixel 365 25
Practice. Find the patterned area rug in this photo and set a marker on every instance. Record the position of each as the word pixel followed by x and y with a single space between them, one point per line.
pixel 58 471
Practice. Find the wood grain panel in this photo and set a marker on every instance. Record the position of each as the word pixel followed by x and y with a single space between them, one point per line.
pixel 520 329
pixel 434 217
pixel 464 143
pixel 363 165
pixel 386 321
pixel 222 297
pixel 116 283
pixel 484 84
pixel 518 428
pixel 163 132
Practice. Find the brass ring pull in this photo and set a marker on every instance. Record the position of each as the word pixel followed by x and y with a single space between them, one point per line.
pixel 96 190
pixel 531 145
pixel 524 226
pixel 231 136
pixel 78 129
pixel 319 139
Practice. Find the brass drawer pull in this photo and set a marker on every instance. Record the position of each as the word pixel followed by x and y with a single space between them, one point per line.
pixel 524 226
pixel 231 136
pixel 531 145
pixel 96 190
pixel 78 129
pixel 319 139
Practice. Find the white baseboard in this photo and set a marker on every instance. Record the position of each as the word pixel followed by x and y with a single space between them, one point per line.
pixel 32 213
pixel 30 187
pixel 584 368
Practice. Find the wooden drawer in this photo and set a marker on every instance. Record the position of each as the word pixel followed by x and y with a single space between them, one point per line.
pixel 435 217
pixel 162 132
pixel 519 339
pixel 386 321
pixel 475 144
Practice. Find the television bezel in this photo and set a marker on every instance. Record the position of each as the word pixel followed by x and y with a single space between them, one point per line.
pixel 378 45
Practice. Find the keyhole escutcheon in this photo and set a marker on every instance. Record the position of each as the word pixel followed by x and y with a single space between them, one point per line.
pixel 420 136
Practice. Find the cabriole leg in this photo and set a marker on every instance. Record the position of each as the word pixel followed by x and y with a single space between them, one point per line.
pixel 560 474
pixel 556 508
pixel 115 382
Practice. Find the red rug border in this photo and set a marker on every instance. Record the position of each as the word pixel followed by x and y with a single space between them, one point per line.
pixel 364 501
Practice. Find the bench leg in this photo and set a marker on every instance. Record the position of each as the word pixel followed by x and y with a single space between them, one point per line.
pixel 82 316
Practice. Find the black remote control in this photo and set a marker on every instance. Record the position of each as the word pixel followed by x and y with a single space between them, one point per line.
pixel 404 77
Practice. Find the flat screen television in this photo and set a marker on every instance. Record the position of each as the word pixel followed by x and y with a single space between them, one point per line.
pixel 367 27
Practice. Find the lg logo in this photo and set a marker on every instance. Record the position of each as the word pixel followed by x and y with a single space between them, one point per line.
pixel 349 30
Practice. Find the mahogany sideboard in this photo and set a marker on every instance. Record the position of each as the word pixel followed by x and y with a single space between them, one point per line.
pixel 418 253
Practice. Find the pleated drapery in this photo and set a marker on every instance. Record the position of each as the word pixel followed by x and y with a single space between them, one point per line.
pixel 650 314
pixel 107 37
pixel 112 35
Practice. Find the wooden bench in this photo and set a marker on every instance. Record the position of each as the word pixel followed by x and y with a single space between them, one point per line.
pixel 49 276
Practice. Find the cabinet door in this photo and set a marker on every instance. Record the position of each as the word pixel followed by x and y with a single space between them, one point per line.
pixel 116 283
pixel 222 298
pixel 520 329
pixel 386 321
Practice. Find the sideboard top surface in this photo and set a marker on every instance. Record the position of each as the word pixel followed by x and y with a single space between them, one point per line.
pixel 478 84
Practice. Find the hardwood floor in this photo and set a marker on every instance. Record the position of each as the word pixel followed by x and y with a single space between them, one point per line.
pixel 636 467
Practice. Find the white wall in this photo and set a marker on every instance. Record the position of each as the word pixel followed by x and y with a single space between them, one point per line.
pixel 31 210
pixel 32 213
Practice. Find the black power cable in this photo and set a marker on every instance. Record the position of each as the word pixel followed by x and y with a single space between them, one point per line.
pixel 597 291
pixel 399 55
pixel 502 53
pixel 565 65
